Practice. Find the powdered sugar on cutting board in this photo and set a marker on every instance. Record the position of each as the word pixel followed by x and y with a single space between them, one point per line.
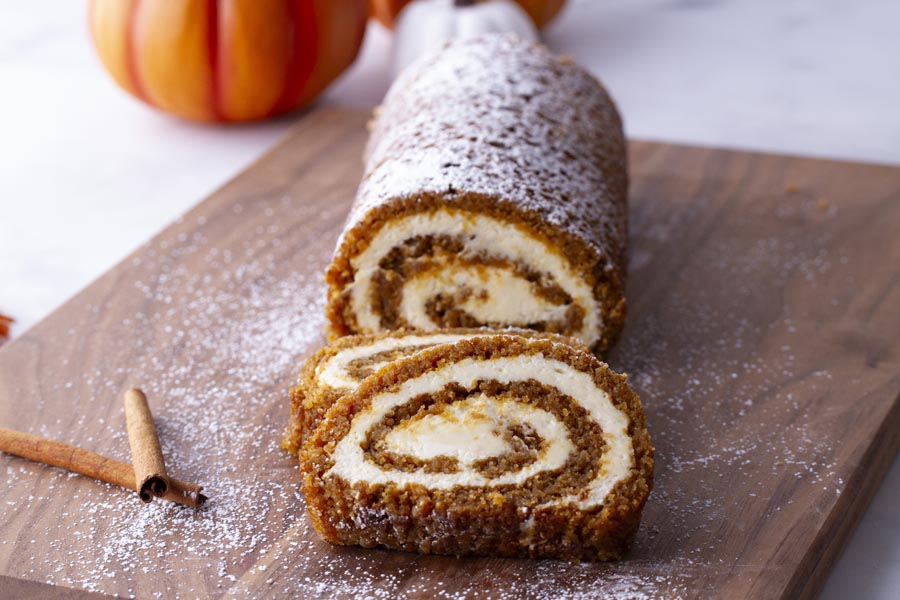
pixel 225 337
pixel 224 343
pixel 727 417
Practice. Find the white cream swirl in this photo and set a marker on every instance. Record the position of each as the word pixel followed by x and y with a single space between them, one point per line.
pixel 334 372
pixel 615 463
pixel 498 296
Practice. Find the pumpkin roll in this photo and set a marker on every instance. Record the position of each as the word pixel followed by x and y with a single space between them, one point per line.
pixel 496 445
pixel 340 367
pixel 494 195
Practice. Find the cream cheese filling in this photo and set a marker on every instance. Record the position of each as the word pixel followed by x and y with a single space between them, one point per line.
pixel 510 304
pixel 472 430
pixel 333 372
pixel 503 297
pixel 616 461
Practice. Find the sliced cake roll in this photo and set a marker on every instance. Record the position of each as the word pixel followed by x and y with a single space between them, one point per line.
pixel 494 195
pixel 339 368
pixel 495 445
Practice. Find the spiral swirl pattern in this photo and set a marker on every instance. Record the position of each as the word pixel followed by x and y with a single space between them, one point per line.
pixel 495 444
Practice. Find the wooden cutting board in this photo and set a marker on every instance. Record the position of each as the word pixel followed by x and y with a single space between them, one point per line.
pixel 763 336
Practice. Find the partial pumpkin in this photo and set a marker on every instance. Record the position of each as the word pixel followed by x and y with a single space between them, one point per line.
pixel 540 11
pixel 237 60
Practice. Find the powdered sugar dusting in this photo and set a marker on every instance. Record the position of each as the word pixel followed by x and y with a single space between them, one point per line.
pixel 224 341
pixel 739 379
pixel 727 415
pixel 503 117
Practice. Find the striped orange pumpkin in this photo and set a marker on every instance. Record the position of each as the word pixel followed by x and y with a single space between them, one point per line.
pixel 227 60
pixel 540 11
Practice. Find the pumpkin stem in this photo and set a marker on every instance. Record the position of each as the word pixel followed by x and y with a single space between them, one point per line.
pixel 462 3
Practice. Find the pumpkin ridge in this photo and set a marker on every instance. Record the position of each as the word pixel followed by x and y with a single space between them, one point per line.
pixel 212 47
pixel 131 37
pixel 304 53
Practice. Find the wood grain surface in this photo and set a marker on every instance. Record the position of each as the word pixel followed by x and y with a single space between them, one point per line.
pixel 763 335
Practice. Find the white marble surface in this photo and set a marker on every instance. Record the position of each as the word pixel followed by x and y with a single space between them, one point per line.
pixel 87 173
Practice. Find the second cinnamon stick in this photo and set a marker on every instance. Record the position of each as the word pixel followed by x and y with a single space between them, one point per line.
pixel 150 474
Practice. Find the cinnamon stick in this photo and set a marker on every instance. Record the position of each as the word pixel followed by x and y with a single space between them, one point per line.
pixel 89 464
pixel 150 474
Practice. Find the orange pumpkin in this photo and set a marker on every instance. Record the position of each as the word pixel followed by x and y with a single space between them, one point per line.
pixel 227 60
pixel 540 11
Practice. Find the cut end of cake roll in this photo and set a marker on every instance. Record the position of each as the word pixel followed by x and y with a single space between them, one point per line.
pixel 497 445
pixel 339 368
pixel 494 195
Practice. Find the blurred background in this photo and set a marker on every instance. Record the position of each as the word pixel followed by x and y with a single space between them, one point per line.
pixel 88 173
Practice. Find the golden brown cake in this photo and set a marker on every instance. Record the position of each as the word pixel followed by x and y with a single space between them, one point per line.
pixel 497 445
pixel 340 367
pixel 494 195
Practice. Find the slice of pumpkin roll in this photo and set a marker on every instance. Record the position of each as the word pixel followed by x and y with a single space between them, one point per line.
pixel 339 368
pixel 497 445
pixel 494 195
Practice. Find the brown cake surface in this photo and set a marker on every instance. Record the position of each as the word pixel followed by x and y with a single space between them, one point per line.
pixel 498 445
pixel 494 195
